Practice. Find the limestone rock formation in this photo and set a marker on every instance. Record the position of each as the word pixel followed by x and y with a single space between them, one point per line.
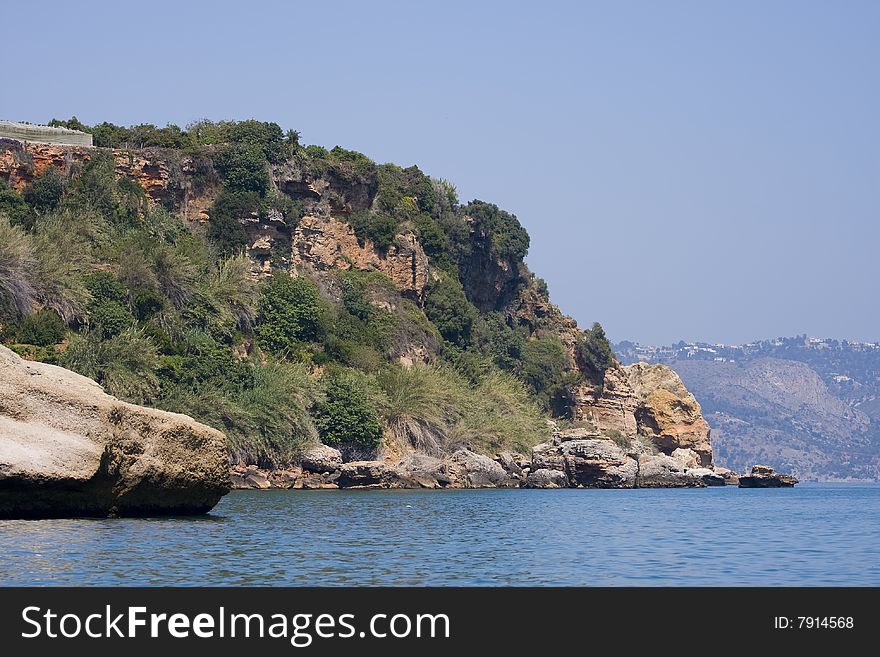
pixel 763 476
pixel 21 162
pixel 649 401
pixel 69 449
pixel 327 243
pixel 321 458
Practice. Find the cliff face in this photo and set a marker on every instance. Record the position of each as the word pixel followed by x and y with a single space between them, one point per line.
pixel 326 243
pixel 649 401
pixel 20 163
pixel 637 401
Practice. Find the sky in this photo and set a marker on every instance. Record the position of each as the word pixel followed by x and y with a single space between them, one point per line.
pixel 691 170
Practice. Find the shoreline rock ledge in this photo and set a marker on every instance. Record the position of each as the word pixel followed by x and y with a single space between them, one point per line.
pixel 763 476
pixel 68 449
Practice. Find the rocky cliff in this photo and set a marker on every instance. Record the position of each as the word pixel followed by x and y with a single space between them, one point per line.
pixel 636 404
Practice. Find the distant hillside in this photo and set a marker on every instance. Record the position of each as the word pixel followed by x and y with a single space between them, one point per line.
pixel 805 405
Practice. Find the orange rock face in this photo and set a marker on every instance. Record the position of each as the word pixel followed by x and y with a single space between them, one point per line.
pixel 648 401
pixel 327 243
pixel 21 162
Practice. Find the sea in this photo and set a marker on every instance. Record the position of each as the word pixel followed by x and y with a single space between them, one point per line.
pixel 810 535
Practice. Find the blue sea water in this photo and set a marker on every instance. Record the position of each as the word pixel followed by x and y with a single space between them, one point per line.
pixel 810 535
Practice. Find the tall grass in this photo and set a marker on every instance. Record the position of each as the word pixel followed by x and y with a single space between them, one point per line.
pixel 434 410
pixel 125 365
pixel 265 418
pixel 17 262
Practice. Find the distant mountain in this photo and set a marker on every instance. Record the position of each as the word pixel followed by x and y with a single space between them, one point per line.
pixel 809 406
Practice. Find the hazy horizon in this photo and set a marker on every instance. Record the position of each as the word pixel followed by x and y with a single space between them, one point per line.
pixel 687 171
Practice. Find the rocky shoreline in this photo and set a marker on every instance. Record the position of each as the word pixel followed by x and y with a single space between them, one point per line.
pixel 575 458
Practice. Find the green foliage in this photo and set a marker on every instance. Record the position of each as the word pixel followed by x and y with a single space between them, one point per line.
pixel 449 310
pixel 594 354
pixel 104 286
pixel 147 304
pixel 72 123
pixel 44 193
pixel 125 364
pixel 109 318
pixel 315 152
pixel 262 409
pixel 510 240
pixel 225 229
pixel 345 418
pixel 436 409
pixel 377 227
pixel 397 186
pixel 503 343
pixel 43 328
pixel 120 201
pixel 268 138
pixel 289 314
pixel 546 368
pixel 60 253
pixel 14 207
pixel 17 263
pixel 243 168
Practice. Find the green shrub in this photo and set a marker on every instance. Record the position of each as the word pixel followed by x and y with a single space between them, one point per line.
pixel 104 286
pixel 435 409
pixel 263 412
pixel 345 418
pixel 43 328
pixel 619 438
pixel 72 123
pixel 377 227
pixel 397 184
pixel 243 168
pixel 62 255
pixel 225 229
pixel 289 314
pixel 594 354
pixel 510 241
pixel 545 368
pixel 44 193
pixel 500 414
pixel 120 201
pixel 109 318
pixel 449 310
pixel 17 264
pixel 17 212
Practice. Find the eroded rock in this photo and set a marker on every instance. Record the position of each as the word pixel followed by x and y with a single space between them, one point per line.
pixel 69 449
pixel 763 476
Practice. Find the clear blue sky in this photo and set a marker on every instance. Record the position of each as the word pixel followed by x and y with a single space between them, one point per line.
pixel 687 170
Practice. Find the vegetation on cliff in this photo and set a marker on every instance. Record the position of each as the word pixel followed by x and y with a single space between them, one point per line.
pixel 97 277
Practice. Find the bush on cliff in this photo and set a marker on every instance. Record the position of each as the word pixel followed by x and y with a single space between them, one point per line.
pixel 17 261
pixel 243 168
pixel 594 354
pixel 346 418
pixel 263 410
pixel 510 241
pixel 14 207
pixel 44 193
pixel 225 229
pixel 289 315
pixel 42 328
pixel 447 307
